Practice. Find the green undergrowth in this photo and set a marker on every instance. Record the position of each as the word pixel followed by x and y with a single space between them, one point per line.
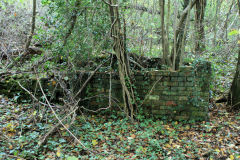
pixel 108 135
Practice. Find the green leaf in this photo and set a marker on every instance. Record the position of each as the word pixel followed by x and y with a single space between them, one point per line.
pixel 66 78
pixel 72 158
pixel 233 32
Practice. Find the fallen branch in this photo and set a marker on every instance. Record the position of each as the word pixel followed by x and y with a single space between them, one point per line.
pixel 51 107
pixel 52 130
pixel 150 91
pixel 86 82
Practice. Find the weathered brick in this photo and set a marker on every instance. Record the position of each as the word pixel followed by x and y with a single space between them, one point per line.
pixel 171 103
pixel 165 83
pixel 184 74
pixel 182 84
pixel 190 88
pixel 161 112
pixel 160 87
pixel 158 103
pixel 165 73
pixel 174 89
pixel 174 74
pixel 172 93
pixel 173 84
pixel 194 108
pixel 185 93
pixel 174 98
pixel 147 101
pixel 153 97
pixel 167 93
pixel 188 84
pixel 183 98
pixel 204 94
pixel 182 88
pixel 163 97
pixel 190 79
pixel 181 117
pixel 166 78
pixel 198 113
pixel 181 79
pixel 185 68
pixel 167 108
pixel 174 79
pixel 168 88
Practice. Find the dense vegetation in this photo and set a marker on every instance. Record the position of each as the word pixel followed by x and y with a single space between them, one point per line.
pixel 57 39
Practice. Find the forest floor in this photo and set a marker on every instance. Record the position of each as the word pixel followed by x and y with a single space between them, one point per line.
pixel 110 136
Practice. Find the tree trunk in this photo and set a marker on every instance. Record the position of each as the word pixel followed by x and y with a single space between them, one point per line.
pixel 224 35
pixel 179 34
pixel 219 2
pixel 199 26
pixel 33 26
pixel 165 45
pixel 122 57
pixel 73 22
pixel 168 24
pixel 72 26
pixel 234 94
pixel 162 4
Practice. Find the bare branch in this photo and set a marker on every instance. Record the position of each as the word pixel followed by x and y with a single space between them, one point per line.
pixel 109 4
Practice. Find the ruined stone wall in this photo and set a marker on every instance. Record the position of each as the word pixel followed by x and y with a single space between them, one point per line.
pixel 182 94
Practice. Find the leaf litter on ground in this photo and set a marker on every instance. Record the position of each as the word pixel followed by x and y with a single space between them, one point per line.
pixel 116 138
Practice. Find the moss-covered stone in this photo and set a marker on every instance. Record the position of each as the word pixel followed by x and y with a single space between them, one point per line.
pixel 179 94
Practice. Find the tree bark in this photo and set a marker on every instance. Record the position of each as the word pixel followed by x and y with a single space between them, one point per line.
pixel 165 44
pixel 162 4
pixel 234 94
pixel 32 26
pixel 73 21
pixel 179 34
pixel 225 26
pixel 199 26
pixel 218 6
pixel 123 60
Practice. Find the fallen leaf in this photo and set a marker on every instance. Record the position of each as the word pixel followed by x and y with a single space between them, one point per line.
pixel 58 152
pixel 94 142
pixel 10 147
pixel 231 157
pixel 133 136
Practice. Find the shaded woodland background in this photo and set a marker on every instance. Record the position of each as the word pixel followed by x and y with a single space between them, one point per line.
pixel 56 39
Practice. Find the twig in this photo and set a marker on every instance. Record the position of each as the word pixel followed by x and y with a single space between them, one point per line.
pixel 31 94
pixel 110 85
pixel 95 111
pixel 59 118
pixel 151 90
pixel 42 141
pixel 109 4
pixel 131 60
pixel 85 83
